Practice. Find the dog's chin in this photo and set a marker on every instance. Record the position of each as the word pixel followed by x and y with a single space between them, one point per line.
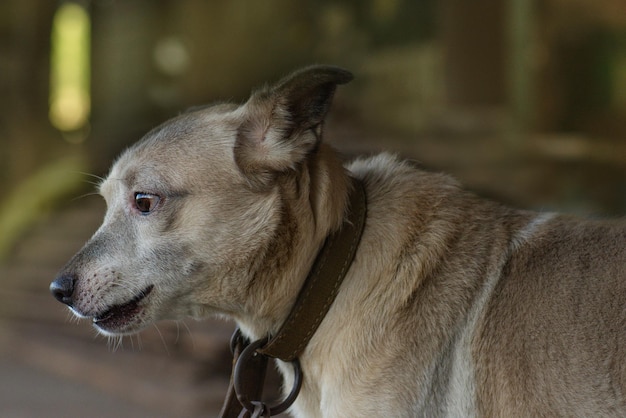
pixel 125 318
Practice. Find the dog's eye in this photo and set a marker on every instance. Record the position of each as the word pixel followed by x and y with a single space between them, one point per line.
pixel 146 203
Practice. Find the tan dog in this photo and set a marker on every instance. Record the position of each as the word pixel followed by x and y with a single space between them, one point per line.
pixel 454 306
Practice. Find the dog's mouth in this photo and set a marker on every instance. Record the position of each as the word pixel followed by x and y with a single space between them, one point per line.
pixel 119 317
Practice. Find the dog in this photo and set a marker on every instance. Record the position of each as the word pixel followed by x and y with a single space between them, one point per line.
pixel 453 306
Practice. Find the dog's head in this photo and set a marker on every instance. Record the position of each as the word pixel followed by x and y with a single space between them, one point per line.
pixel 209 210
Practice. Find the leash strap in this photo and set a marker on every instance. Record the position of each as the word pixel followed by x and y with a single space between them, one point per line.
pixel 312 304
pixel 251 372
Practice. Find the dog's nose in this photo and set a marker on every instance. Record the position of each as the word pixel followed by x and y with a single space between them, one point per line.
pixel 62 288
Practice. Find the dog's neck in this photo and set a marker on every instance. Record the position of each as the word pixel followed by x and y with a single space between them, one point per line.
pixel 323 281
pixel 314 207
pixel 313 302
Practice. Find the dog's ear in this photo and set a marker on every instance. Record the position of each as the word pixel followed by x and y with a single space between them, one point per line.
pixel 283 123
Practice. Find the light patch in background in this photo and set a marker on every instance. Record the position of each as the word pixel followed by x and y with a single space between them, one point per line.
pixel 384 10
pixel 70 97
pixel 171 56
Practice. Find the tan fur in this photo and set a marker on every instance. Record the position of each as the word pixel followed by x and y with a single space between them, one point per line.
pixel 454 306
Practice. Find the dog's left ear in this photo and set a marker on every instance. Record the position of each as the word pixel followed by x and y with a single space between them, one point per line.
pixel 282 123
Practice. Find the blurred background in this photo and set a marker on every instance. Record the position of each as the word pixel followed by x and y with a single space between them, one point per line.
pixel 523 101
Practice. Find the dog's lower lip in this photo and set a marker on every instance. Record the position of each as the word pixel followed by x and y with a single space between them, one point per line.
pixel 118 315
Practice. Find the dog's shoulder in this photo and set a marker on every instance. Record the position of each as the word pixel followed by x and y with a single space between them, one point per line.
pixel 388 175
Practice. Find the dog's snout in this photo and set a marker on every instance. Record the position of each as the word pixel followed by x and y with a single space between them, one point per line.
pixel 62 288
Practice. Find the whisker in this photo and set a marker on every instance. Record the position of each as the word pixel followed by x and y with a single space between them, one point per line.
pixel 193 341
pixel 162 339
pixel 115 343
pixel 110 344
pixel 71 318
pixel 84 173
pixel 82 196
pixel 139 342
pixel 93 183
pixel 177 332
pixel 131 287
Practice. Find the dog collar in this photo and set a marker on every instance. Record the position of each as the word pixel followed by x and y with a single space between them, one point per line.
pixel 313 302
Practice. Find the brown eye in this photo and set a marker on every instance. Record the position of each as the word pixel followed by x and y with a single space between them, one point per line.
pixel 146 203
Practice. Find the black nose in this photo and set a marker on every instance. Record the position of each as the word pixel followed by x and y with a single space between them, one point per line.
pixel 62 288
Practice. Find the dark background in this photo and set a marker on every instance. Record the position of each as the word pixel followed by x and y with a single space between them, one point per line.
pixel 523 101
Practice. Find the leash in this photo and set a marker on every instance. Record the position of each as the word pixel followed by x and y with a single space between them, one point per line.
pixel 250 359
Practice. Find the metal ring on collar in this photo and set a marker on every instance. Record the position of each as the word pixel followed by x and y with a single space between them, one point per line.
pixel 249 404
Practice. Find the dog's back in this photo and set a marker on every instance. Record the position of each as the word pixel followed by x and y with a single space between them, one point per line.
pixel 500 312
pixel 552 338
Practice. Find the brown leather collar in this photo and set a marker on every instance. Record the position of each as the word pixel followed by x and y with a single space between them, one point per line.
pixel 317 294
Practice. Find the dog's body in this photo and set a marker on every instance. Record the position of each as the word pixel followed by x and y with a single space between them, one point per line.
pixel 453 306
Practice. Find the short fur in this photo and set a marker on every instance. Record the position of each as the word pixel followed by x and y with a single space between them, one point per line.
pixel 454 305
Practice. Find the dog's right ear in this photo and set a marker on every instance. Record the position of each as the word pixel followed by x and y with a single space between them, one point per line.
pixel 283 123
